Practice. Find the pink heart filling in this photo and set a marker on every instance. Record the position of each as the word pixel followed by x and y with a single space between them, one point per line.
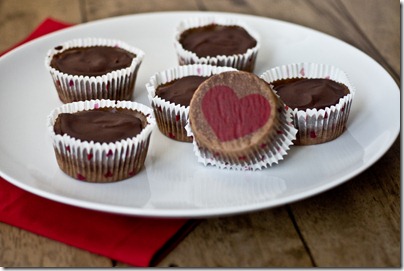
pixel 232 118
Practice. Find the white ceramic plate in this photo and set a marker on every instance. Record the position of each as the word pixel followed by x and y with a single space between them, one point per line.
pixel 173 183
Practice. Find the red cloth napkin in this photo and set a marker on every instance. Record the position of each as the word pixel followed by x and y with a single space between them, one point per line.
pixel 133 240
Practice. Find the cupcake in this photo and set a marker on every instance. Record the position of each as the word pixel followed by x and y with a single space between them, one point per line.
pixel 238 122
pixel 170 93
pixel 319 95
pixel 85 69
pixel 216 41
pixel 101 140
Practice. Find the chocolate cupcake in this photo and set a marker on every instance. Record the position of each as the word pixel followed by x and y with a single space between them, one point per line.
pixel 101 140
pixel 319 95
pixel 85 69
pixel 170 93
pixel 218 42
pixel 238 122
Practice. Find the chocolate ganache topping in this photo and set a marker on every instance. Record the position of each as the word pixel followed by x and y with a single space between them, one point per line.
pixel 180 91
pixel 214 40
pixel 92 61
pixel 101 125
pixel 303 93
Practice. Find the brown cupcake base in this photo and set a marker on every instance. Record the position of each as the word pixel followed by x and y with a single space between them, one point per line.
pixel 115 85
pixel 322 127
pixel 172 118
pixel 171 124
pixel 238 122
pixel 316 126
pixel 243 62
pixel 268 152
pixel 67 92
pixel 101 162
pixel 112 169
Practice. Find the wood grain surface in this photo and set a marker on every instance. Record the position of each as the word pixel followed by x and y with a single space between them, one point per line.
pixel 356 224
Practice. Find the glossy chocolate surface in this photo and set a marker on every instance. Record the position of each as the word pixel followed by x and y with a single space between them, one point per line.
pixel 102 125
pixel 180 91
pixel 92 61
pixel 302 93
pixel 214 40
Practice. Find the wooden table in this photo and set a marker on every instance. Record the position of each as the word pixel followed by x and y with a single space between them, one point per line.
pixel 356 224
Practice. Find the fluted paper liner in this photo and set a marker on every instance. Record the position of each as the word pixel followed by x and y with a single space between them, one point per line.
pixel 101 162
pixel 316 126
pixel 244 61
pixel 115 85
pixel 269 152
pixel 171 118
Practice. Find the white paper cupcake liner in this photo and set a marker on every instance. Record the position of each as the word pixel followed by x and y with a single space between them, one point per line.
pixel 270 152
pixel 115 85
pixel 171 118
pixel 101 162
pixel 244 61
pixel 316 126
